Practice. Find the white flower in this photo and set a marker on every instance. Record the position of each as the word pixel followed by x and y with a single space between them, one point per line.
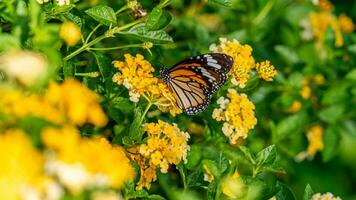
pixel 63 2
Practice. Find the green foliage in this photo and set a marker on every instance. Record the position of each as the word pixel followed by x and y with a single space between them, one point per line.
pixel 266 160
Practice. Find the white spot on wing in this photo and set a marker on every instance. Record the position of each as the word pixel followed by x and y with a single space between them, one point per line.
pixel 210 60
pixel 207 74
pixel 217 66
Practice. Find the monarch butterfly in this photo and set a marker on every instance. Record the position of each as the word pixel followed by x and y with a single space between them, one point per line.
pixel 193 81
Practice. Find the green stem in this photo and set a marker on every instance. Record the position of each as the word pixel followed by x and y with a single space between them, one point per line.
pixel 108 33
pixel 88 74
pixel 145 111
pixel 121 10
pixel 263 13
pixel 115 48
pixel 91 33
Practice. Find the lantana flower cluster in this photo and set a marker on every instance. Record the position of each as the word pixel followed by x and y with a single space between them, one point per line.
pixel 317 23
pixel 237 113
pixel 77 171
pixel 166 145
pixel 64 164
pixel 135 73
pixel 70 102
pixel 244 62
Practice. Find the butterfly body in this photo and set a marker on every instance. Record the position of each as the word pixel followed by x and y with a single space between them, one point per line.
pixel 193 81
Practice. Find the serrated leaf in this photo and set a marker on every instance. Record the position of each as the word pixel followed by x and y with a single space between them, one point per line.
pixel 285 192
pixel 267 156
pixel 158 19
pixel 195 179
pixel 331 141
pixel 248 155
pixel 212 190
pixel 308 193
pixel 123 104
pixel 103 14
pixel 157 37
pixel 226 3
pixel 222 163
pixel 104 65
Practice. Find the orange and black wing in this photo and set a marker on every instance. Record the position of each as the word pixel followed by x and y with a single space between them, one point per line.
pixel 193 81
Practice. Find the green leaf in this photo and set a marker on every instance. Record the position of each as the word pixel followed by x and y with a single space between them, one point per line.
pixel 222 163
pixel 331 141
pixel 275 168
pixel 226 3
pixel 290 125
pixel 155 197
pixel 248 155
pixel 212 190
pixel 157 37
pixel 194 157
pixel 158 19
pixel 335 94
pixel 332 114
pixel 104 65
pixel 8 41
pixel 195 179
pixel 267 156
pixel 352 48
pixel 123 104
pixel 183 173
pixel 285 193
pixel 135 130
pixel 287 54
pixel 210 166
pixel 351 75
pixel 102 14
pixel 68 69
pixel 308 193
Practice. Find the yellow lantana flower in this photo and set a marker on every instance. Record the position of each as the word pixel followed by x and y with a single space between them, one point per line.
pixel 237 113
pixel 69 31
pixel 166 145
pixel 80 104
pixel 326 196
pixel 71 102
pixel 315 139
pixel 266 70
pixel 244 62
pixel 135 73
pixel 71 160
pixel 21 165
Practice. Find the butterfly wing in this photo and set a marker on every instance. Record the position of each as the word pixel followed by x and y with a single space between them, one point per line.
pixel 193 81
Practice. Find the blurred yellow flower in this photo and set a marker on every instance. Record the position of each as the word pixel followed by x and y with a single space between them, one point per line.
pixel 319 21
pixel 166 145
pixel 80 104
pixel 315 139
pixel 42 1
pixel 238 115
pixel 71 102
pixel 296 106
pixel 21 166
pixel 69 31
pixel 71 160
pixel 346 23
pixel 266 70
pixel 208 176
pixel 326 196
pixel 319 79
pixel 135 73
pixel 233 186
pixel 25 66
pixel 305 93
